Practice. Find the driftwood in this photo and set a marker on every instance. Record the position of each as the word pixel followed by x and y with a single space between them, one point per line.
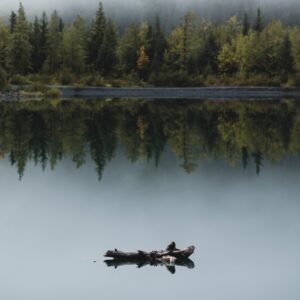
pixel 169 258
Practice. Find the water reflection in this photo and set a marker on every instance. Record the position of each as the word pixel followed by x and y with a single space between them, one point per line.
pixel 188 263
pixel 244 134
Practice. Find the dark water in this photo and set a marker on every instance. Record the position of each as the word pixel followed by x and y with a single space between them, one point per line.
pixel 78 178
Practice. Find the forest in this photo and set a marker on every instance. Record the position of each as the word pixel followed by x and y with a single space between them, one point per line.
pixel 243 134
pixel 196 52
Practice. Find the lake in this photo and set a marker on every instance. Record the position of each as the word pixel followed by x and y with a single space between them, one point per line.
pixel 81 177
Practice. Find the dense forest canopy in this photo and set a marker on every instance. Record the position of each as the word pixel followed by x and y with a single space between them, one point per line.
pixel 242 50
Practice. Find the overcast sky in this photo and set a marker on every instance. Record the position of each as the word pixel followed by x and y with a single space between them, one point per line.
pixel 124 12
pixel 7 5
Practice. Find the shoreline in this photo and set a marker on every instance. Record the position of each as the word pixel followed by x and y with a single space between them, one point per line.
pixel 200 93
pixel 179 93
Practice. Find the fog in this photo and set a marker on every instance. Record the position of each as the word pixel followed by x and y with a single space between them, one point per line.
pixel 245 229
pixel 170 10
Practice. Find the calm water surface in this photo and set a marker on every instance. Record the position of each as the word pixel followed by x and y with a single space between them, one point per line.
pixel 80 178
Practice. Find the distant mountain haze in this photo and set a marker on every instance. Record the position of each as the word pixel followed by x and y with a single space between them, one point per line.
pixel 124 12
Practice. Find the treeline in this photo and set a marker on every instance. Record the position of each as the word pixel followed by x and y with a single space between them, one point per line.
pixel 246 135
pixel 196 52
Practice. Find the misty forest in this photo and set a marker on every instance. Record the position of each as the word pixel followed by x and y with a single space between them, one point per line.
pixel 245 49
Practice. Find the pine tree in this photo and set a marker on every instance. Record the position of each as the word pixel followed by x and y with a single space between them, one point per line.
pixel 54 45
pixel 43 38
pixel 207 59
pixel 4 40
pixel 150 42
pixel 287 63
pixel 129 46
pixel 97 37
pixel 107 52
pixel 35 40
pixel 19 48
pixel 246 25
pixel 12 21
pixel 259 23
pixel 61 25
pixel 74 46
pixel 187 27
pixel 160 46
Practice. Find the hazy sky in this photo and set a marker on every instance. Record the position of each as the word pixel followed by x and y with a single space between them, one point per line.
pixel 37 5
pixel 124 12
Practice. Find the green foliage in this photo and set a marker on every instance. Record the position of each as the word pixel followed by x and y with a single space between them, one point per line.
pixel 195 52
pixel 19 46
pixel 4 40
pixel 18 80
pixel 93 80
pixel 259 22
pixel 286 59
pixel 108 50
pixel 129 46
pixel 175 78
pixel 74 47
pixel 54 45
pixel 159 46
pixel 12 21
pixel 52 93
pixel 65 77
pixel 3 79
pixel 228 63
pixel 38 87
pixel 246 24
pixel 38 38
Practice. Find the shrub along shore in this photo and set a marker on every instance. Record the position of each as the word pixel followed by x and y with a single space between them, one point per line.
pixel 195 53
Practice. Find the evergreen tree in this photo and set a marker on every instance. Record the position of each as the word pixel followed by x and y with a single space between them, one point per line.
pixel 61 25
pixel 159 45
pixel 54 45
pixel 129 47
pixel 19 48
pixel 107 52
pixel 287 63
pixel 97 37
pixel 12 21
pixel 43 38
pixel 149 43
pixel 4 40
pixel 35 40
pixel 246 25
pixel 187 28
pixel 3 79
pixel 74 46
pixel 207 57
pixel 259 23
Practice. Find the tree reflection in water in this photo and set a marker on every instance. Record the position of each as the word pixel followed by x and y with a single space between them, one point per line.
pixel 241 133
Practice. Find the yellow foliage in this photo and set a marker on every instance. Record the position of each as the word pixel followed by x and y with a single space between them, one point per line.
pixel 143 59
pixel 142 126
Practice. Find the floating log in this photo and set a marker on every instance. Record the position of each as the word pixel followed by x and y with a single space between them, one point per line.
pixel 169 258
